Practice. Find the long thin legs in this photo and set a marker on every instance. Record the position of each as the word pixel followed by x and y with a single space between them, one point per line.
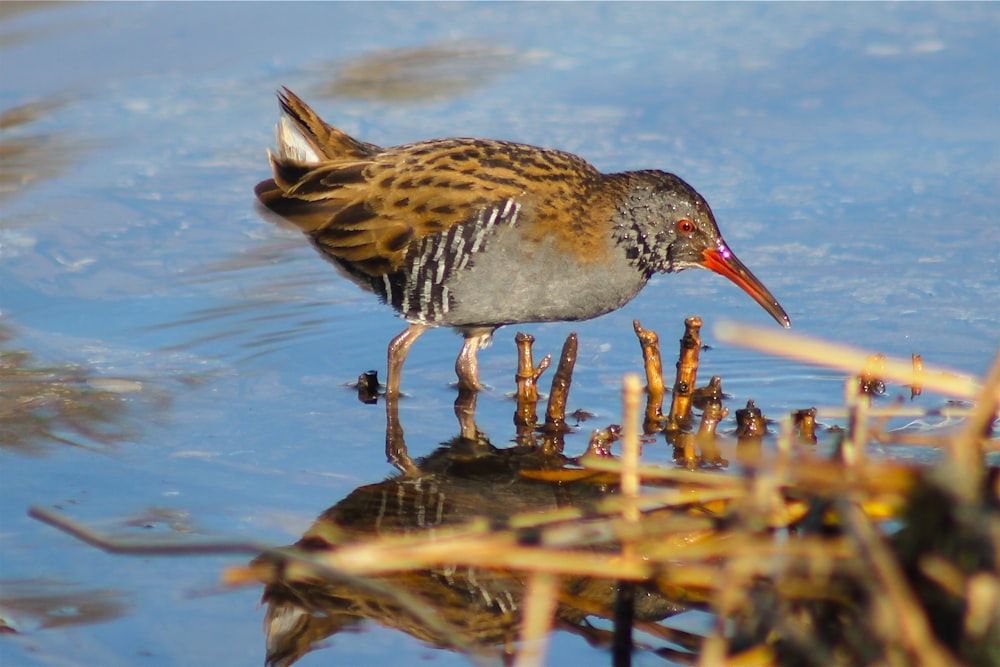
pixel 398 349
pixel 467 364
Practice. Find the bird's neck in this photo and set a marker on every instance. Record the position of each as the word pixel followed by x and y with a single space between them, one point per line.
pixel 630 219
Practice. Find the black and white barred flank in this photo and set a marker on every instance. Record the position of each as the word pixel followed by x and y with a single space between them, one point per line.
pixel 419 291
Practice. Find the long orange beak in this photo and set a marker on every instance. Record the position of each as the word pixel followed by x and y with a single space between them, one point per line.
pixel 725 263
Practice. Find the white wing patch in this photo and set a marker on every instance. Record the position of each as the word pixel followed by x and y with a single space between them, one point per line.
pixel 292 145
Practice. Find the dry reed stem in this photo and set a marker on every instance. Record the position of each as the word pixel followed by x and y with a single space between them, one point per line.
pixel 852 449
pixel 525 417
pixel 918 369
pixel 131 546
pixel 555 412
pixel 805 423
pixel 653 365
pixel 295 560
pixel 674 527
pixel 687 375
pixel 786 437
pixel 541 600
pixel 760 553
pixel 674 498
pixel 631 398
pixel 624 606
pixel 654 472
pixel 870 380
pixel 845 358
pixel 898 410
pixel 711 415
pixel 965 452
pixel 600 610
pixel 479 551
pixel 982 591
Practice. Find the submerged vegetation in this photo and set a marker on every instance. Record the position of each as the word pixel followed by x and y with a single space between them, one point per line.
pixel 64 404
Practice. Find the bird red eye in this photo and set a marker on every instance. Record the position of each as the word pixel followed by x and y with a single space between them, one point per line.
pixel 685 226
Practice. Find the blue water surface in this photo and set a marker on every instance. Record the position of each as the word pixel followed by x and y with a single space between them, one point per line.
pixel 849 151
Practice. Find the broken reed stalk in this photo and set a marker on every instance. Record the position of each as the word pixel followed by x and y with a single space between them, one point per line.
pixel 751 427
pixel 918 368
pixel 555 412
pixel 525 416
pixel 805 425
pixel 687 374
pixel 653 364
pixel 685 450
pixel 368 387
pixel 601 440
pixel 870 378
pixel 711 414
pixel 750 422
pixel 858 402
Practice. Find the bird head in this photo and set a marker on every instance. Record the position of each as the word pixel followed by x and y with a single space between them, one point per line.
pixel 671 228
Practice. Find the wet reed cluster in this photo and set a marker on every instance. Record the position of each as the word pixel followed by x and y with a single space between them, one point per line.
pixel 807 556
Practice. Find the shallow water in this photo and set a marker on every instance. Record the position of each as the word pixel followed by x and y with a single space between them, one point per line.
pixel 203 355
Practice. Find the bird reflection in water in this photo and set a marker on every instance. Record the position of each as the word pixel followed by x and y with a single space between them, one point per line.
pixel 464 608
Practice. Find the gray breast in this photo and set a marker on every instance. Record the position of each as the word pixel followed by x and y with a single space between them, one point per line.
pixel 486 273
pixel 522 281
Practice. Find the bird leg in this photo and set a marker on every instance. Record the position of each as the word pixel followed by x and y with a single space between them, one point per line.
pixel 467 364
pixel 398 349
pixel 465 412
pixel 395 444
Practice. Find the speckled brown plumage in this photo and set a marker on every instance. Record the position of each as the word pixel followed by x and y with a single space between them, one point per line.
pixel 477 233
pixel 366 205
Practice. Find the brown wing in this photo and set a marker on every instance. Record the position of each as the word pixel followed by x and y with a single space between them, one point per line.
pixel 367 208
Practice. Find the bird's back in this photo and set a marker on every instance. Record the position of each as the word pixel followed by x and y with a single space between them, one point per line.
pixel 366 206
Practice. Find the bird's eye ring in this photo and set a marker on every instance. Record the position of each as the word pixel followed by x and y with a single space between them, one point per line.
pixel 685 226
